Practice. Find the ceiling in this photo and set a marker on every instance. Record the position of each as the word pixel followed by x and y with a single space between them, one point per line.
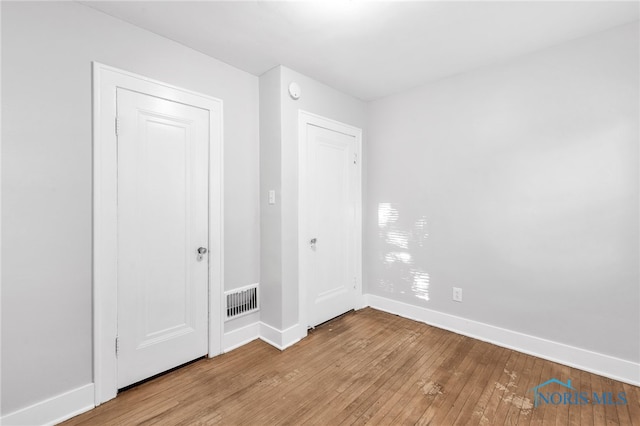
pixel 369 49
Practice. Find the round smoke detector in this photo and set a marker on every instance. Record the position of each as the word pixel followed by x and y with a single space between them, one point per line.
pixel 294 90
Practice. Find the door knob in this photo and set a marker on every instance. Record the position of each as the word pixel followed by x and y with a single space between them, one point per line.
pixel 201 252
pixel 313 242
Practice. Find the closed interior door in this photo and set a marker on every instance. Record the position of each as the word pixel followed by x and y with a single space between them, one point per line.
pixel 331 210
pixel 162 223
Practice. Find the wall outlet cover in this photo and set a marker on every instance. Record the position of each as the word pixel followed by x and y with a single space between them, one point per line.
pixel 457 294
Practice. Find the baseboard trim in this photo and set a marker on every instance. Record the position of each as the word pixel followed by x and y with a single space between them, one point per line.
pixel 53 410
pixel 241 336
pixel 280 339
pixel 593 362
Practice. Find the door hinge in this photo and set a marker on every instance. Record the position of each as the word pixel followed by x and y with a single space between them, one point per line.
pixel 355 282
pixel 355 158
pixel 117 126
pixel 117 345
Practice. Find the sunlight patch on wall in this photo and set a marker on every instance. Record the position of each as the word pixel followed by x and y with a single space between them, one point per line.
pixel 420 231
pixel 386 215
pixel 401 272
pixel 398 239
pixel 398 256
pixel 420 285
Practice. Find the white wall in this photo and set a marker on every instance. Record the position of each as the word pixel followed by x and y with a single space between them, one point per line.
pixel 270 214
pixel 282 219
pixel 47 49
pixel 519 184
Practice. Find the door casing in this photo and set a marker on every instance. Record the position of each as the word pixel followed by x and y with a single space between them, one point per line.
pixel 305 119
pixel 105 81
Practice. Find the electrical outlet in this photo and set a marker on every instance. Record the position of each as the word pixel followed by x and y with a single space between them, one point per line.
pixel 457 294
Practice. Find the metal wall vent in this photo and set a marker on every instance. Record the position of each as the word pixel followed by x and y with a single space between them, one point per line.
pixel 241 301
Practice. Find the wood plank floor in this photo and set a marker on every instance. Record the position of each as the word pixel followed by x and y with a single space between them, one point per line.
pixel 366 367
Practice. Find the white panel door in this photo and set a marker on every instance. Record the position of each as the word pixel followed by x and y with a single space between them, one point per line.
pixel 162 222
pixel 331 221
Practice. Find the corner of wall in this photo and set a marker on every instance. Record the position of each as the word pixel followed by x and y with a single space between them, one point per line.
pixel 270 214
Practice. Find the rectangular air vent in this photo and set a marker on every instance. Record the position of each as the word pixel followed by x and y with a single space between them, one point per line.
pixel 241 301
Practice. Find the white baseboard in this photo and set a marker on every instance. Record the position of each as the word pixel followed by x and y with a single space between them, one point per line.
pixel 53 410
pixel 234 339
pixel 280 339
pixel 593 362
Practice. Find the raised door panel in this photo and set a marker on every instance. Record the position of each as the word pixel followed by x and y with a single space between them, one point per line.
pixel 162 221
pixel 331 213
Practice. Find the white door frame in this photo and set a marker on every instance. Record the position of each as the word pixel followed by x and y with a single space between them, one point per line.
pixel 105 81
pixel 304 119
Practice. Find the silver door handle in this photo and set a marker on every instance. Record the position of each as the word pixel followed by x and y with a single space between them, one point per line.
pixel 201 252
pixel 313 242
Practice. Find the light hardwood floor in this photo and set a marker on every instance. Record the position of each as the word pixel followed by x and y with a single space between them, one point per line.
pixel 366 367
